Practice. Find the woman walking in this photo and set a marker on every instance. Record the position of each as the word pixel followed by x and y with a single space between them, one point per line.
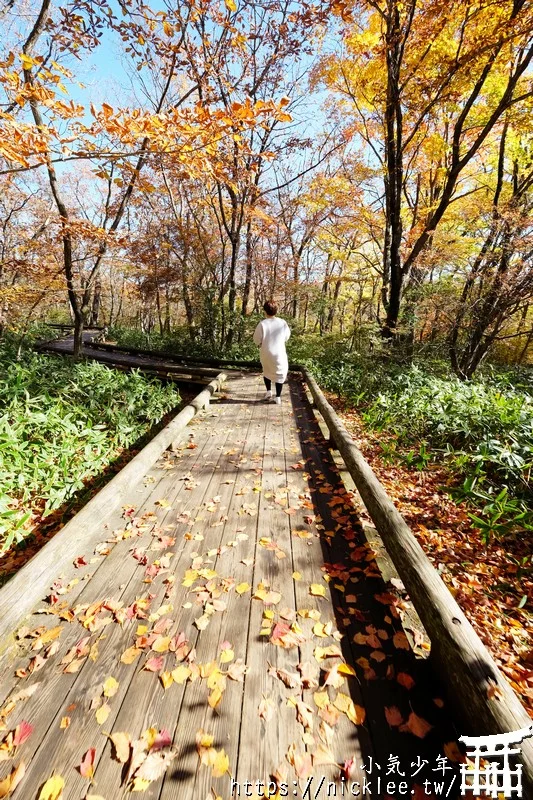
pixel 270 336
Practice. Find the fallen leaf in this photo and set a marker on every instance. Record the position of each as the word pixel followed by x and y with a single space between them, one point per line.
pixel 291 679
pixel 405 680
pixel 321 699
pixel 103 713
pixel 323 756
pixel 219 763
pixel 86 768
pixel 110 687
pixel 215 697
pixel 163 503
pixel 53 788
pixel 355 714
pixel 237 670
pixel 154 664
pixel 401 641
pixel 181 673
pixel 317 590
pixel 331 651
pixel 122 746
pixel 266 708
pixel 155 765
pixel 166 679
pixel 333 678
pixel 130 655
pixel 393 716
pixel 11 781
pixel 453 752
pixel 161 644
pixel 227 654
pixel 416 725
pixel 22 732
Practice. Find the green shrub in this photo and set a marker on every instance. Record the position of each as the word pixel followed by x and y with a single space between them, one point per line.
pixel 61 424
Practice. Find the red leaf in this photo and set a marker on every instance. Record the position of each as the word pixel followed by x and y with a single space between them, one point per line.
pixel 86 767
pixel 22 732
pixel 154 664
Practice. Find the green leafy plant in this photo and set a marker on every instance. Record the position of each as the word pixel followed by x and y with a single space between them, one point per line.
pixel 61 424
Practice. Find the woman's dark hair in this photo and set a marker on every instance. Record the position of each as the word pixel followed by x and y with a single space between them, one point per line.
pixel 270 308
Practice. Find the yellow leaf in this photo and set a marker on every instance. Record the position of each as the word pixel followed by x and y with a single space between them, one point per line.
pixel 241 588
pixel 205 739
pixel 161 645
pixel 226 656
pixel 141 630
pixel 53 788
pixel 321 699
pixel 331 651
pixel 110 687
pixel 317 590
pixel 166 679
pixel 319 629
pixel 355 714
pixel 231 5
pixel 103 713
pixel 181 673
pixel 219 761
pixel 65 722
pixel 202 622
pixel 27 62
pixel 149 736
pixel 215 697
pixel 345 669
pixel 297 576
pixel 140 784
pixel 129 655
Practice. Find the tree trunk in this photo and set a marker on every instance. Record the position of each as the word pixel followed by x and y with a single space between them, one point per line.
pixel 249 269
pixel 392 263
pixel 97 299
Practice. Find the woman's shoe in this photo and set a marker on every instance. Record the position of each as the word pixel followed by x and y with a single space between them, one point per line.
pixel 268 395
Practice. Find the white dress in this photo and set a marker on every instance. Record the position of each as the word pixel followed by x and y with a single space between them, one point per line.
pixel 271 335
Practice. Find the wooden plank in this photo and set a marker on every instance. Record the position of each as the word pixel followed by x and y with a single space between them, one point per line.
pixel 190 780
pixel 486 701
pixel 19 596
pixel 264 744
pixel 344 740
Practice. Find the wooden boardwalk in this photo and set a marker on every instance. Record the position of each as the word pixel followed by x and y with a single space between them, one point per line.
pixel 152 364
pixel 230 623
